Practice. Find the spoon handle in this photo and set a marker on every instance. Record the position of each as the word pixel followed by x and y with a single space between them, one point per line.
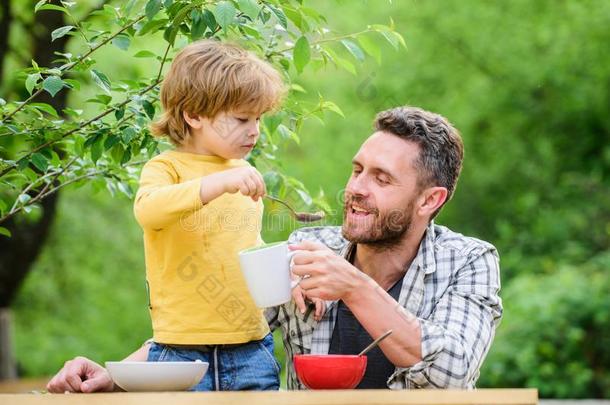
pixel 375 343
pixel 284 203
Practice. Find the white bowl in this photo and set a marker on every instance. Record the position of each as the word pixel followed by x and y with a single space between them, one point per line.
pixel 156 376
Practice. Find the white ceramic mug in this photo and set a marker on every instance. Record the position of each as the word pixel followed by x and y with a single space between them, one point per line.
pixel 266 269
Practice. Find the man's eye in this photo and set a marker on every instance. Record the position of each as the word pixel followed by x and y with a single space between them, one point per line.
pixel 383 180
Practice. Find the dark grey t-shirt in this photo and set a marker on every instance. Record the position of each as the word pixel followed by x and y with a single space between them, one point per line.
pixel 349 337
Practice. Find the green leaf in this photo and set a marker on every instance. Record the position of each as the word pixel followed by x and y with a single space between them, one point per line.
pixel 52 85
pixel 101 80
pixel 31 81
pixel 60 32
pixel 304 196
pixel 128 134
pixel 72 112
pixel 39 4
pixel 96 150
pixel 45 108
pixel 117 153
pixel 54 7
pixel 393 37
pixel 73 84
pixel 279 14
pixel 345 64
pixel 145 54
pixel 170 33
pixel 353 49
pixel 152 8
pixel 198 25
pixel 111 141
pixel 370 47
pixel 119 113
pixel 5 232
pixel 125 189
pixel 149 109
pixel 40 161
pixel 296 17
pixel 92 139
pixel 249 8
pixel 297 87
pixel 126 156
pixel 329 105
pixel 152 26
pixel 210 20
pixel 121 42
pixel 225 14
pixel 301 54
pixel 167 3
pixel 129 6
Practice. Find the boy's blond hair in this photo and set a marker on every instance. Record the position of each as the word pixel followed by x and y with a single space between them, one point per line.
pixel 208 77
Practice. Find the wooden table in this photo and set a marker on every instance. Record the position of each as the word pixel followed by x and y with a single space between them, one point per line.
pixel 351 397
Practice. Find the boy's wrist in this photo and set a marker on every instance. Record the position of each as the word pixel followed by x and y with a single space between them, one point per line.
pixel 211 187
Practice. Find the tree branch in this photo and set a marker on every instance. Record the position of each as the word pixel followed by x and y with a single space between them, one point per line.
pixel 69 66
pixel 81 126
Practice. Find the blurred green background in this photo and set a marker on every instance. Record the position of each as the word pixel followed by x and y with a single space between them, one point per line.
pixel 528 85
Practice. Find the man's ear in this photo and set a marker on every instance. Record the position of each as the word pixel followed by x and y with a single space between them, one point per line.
pixel 195 121
pixel 430 200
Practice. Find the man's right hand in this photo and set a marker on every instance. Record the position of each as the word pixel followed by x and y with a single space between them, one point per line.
pixel 81 375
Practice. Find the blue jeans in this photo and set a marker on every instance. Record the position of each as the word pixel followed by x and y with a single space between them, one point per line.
pixel 248 366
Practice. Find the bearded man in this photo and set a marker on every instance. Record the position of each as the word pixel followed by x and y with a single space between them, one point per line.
pixel 390 267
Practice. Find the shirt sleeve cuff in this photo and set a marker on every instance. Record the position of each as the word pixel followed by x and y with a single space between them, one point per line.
pixel 432 340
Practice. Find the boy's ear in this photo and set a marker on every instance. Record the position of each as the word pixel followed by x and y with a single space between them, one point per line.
pixel 194 120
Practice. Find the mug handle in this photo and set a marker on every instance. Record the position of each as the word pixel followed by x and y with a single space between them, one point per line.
pixel 294 282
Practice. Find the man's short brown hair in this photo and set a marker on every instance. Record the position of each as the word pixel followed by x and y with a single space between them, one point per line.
pixel 441 150
pixel 208 77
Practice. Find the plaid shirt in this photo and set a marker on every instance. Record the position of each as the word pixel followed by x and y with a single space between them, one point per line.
pixel 451 286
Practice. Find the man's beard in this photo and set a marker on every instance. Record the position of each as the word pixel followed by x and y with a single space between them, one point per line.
pixel 387 229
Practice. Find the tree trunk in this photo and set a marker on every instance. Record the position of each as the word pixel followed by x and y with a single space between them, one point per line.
pixel 8 369
pixel 19 252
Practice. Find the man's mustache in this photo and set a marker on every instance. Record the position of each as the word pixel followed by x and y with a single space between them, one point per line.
pixel 361 202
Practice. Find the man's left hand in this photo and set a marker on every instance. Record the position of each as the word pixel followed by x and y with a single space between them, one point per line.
pixel 326 275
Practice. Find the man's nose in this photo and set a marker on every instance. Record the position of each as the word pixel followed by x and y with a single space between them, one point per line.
pixel 358 186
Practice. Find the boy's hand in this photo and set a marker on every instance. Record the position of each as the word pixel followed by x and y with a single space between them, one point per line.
pixel 299 297
pixel 246 180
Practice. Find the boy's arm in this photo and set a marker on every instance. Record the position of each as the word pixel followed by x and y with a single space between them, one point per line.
pixel 160 200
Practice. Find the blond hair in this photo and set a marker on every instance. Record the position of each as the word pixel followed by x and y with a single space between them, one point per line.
pixel 208 77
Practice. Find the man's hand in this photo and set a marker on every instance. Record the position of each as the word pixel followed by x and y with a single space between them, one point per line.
pixel 329 276
pixel 299 297
pixel 81 375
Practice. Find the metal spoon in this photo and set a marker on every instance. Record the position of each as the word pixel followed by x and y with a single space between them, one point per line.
pixel 299 216
pixel 375 343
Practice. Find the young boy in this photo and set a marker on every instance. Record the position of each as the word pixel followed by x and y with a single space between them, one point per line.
pixel 199 205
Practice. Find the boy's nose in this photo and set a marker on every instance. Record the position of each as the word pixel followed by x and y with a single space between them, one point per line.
pixel 254 130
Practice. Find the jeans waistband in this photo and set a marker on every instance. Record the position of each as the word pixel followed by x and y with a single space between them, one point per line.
pixel 208 348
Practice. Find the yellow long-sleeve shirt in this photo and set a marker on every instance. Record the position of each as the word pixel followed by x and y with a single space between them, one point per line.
pixel 197 292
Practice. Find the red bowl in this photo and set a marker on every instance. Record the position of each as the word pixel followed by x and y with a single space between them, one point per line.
pixel 330 371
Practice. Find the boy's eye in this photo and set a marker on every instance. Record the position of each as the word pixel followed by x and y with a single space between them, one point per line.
pixel 242 120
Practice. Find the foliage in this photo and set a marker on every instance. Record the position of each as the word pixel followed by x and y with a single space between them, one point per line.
pixel 552 339
pixel 43 150
pixel 527 85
